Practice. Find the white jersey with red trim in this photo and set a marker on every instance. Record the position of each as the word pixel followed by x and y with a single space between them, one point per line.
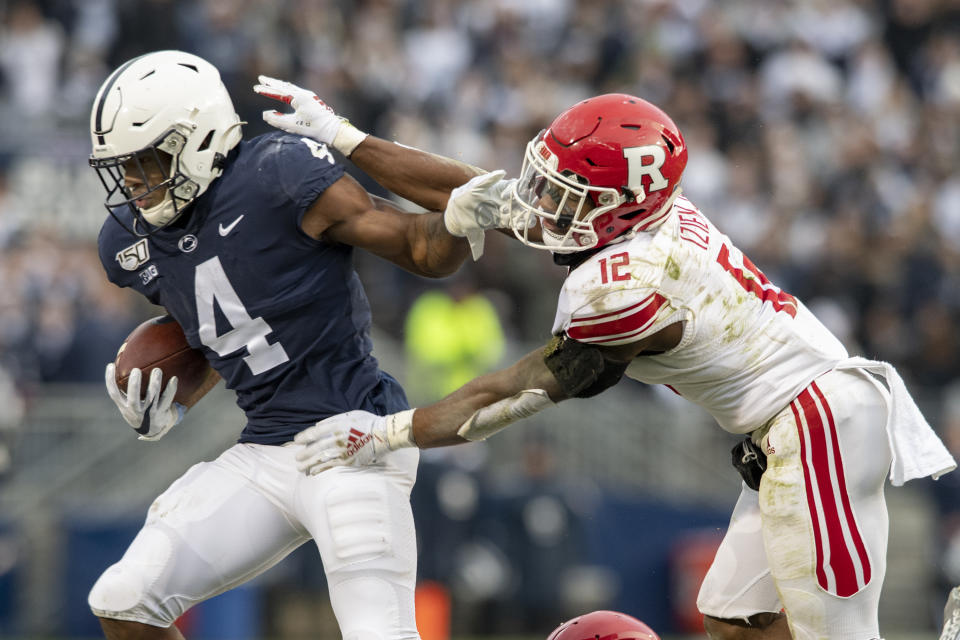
pixel 748 348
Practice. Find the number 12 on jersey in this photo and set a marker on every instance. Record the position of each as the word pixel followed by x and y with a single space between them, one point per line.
pixel 211 284
pixel 617 262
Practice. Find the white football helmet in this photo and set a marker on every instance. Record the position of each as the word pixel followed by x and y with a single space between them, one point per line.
pixel 171 102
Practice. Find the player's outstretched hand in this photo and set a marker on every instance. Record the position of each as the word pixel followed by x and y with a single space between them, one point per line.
pixel 354 438
pixel 481 204
pixel 154 415
pixel 311 116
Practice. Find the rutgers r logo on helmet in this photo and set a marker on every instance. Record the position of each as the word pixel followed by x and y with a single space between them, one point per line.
pixel 638 167
pixel 605 168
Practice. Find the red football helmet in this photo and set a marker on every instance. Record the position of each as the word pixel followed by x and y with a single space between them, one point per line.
pixel 603 625
pixel 607 166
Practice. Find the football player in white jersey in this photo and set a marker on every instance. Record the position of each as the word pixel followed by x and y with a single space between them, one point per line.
pixel 656 291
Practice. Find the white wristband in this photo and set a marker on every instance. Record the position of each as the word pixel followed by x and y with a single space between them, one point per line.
pixel 399 432
pixel 348 138
pixel 487 421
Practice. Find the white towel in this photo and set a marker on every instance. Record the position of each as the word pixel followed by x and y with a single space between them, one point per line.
pixel 916 449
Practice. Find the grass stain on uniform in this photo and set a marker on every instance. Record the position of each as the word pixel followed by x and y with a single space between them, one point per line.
pixel 672 268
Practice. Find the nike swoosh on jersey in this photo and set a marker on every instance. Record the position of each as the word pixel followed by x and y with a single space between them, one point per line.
pixel 225 230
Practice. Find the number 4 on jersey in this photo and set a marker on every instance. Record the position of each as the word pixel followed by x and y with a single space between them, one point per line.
pixel 211 284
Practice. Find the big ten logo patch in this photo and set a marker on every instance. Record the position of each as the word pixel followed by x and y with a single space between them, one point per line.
pixel 149 273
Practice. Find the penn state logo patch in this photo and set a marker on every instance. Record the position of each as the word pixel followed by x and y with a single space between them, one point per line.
pixel 134 256
pixel 188 243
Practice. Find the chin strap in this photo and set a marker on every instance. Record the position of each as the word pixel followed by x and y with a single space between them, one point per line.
pixel 574 260
pixel 161 213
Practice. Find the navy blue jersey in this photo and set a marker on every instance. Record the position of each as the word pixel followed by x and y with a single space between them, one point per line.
pixel 282 317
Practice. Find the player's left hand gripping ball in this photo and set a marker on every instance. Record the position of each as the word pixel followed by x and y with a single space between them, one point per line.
pixel 311 116
pixel 355 439
pixel 152 414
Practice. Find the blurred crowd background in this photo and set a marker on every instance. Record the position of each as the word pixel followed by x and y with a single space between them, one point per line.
pixel 823 138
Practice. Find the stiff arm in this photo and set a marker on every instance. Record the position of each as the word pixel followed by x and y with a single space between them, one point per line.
pixel 426 179
pixel 423 178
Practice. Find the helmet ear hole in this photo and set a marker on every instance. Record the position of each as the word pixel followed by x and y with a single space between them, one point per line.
pixel 632 214
pixel 205 143
pixel 668 142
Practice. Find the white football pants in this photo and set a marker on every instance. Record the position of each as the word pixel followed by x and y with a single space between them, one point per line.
pixel 226 521
pixel 813 540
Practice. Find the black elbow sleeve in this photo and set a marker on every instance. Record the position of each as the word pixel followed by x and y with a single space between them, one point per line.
pixel 581 369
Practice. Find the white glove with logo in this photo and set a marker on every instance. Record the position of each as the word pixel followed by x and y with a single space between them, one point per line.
pixel 311 116
pixel 478 205
pixel 354 438
pixel 153 416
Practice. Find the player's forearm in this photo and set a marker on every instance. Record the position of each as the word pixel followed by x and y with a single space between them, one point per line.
pixel 423 178
pixel 437 425
pixel 434 251
pixel 440 424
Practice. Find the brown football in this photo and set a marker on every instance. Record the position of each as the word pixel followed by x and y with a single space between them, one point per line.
pixel 160 343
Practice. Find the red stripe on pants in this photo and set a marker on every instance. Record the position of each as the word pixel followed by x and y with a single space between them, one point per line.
pixel 822 488
pixel 859 547
pixel 795 406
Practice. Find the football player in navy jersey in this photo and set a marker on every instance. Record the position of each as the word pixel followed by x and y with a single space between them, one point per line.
pixel 248 245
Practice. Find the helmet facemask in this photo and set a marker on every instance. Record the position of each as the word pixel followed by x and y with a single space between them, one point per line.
pixel 564 204
pixel 155 171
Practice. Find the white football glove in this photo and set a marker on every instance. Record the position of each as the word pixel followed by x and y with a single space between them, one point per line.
pixel 481 204
pixel 311 116
pixel 354 438
pixel 153 416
